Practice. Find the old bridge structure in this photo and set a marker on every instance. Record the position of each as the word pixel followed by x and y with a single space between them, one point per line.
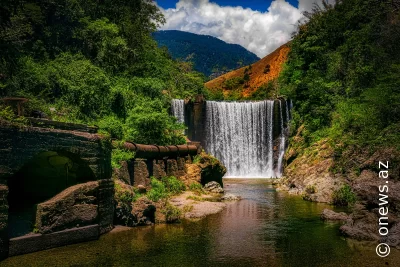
pixel 55 181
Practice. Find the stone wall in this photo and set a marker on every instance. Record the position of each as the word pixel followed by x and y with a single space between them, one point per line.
pixel 20 144
pixel 137 172
pixel 80 212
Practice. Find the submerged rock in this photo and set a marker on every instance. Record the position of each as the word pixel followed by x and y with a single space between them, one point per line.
pixel 214 187
pixel 230 197
pixel 330 215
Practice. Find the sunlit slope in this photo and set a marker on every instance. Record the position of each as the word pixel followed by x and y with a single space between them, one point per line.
pixel 261 72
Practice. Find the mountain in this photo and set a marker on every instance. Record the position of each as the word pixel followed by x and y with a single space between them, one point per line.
pixel 247 80
pixel 210 55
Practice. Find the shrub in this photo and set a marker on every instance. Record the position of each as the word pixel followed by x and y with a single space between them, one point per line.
pixel 196 187
pixel 173 185
pixel 165 188
pixel 344 196
pixel 118 155
pixel 157 190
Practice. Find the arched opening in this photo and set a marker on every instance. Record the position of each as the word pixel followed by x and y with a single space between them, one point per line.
pixel 41 178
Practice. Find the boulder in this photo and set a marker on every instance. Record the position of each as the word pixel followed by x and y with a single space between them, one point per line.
pixel 143 211
pixel 214 187
pixel 361 225
pixel 330 215
pixel 230 197
pixel 75 206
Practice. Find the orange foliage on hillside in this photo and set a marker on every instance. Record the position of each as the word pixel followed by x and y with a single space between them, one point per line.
pixel 260 72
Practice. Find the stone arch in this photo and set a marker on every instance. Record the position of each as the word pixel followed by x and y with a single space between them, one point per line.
pixel 40 178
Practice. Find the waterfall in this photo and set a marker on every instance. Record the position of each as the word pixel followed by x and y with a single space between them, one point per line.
pixel 240 134
pixel 178 109
pixel 282 141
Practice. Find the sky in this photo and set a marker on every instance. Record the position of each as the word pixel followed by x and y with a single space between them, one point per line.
pixel 260 26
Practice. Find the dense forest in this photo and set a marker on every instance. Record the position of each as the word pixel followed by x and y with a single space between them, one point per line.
pixel 209 55
pixel 96 63
pixel 343 75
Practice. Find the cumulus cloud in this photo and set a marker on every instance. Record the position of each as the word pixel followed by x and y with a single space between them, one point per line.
pixel 259 32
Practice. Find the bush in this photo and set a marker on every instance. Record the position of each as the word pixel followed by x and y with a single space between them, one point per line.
pixel 150 123
pixel 157 191
pixel 173 185
pixel 165 188
pixel 344 196
pixel 196 187
pixel 118 155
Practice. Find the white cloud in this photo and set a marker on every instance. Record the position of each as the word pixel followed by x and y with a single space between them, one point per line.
pixel 259 32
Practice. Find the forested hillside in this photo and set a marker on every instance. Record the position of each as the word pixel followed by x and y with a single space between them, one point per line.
pixel 343 75
pixel 209 55
pixel 93 62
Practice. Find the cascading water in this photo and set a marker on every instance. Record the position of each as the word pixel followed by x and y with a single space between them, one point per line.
pixel 178 109
pixel 241 135
pixel 282 141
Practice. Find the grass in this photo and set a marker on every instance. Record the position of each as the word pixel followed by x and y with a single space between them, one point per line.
pixel 344 196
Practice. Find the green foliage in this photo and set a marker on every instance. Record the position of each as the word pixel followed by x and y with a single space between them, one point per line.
pixel 118 155
pixel 343 74
pixel 266 91
pixel 173 185
pixel 233 83
pixel 123 195
pixel 95 63
pixel 157 191
pixel 344 196
pixel 196 188
pixel 197 159
pixel 165 188
pixel 150 123
pixel 6 113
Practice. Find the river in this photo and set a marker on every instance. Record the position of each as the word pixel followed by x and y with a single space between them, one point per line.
pixel 265 228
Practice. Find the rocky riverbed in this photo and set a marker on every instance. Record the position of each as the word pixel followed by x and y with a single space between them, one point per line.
pixel 317 173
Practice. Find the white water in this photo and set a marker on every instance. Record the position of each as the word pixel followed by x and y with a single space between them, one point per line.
pixel 240 134
pixel 178 109
pixel 282 137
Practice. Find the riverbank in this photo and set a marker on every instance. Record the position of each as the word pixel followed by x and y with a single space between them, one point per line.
pixel 265 227
pixel 318 174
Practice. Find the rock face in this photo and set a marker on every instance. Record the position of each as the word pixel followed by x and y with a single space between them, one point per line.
pixel 74 207
pixel 309 175
pixel 143 211
pixel 363 222
pixel 214 187
pixel 128 213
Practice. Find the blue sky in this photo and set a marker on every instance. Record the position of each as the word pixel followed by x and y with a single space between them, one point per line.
pixel 260 5
pixel 260 26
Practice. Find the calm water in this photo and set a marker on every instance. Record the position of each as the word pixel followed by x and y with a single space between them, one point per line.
pixel 266 228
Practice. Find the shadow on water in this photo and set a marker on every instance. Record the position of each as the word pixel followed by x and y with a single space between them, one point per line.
pixel 266 228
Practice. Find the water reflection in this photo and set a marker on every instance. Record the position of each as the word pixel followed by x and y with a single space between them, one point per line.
pixel 266 228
